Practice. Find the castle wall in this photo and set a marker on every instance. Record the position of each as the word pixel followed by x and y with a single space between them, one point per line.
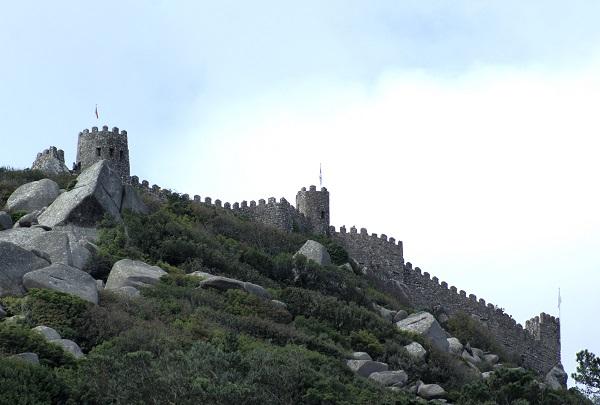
pixel 104 145
pixel 279 214
pixel 538 344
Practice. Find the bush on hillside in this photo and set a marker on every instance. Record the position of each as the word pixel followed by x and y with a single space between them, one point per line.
pixel 23 383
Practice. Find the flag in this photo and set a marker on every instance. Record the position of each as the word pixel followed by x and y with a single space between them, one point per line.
pixel 96 111
pixel 559 299
pixel 320 176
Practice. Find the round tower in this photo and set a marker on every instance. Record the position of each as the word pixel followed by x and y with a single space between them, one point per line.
pixel 315 207
pixel 94 145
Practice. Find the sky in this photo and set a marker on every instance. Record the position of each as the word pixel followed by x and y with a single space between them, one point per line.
pixel 467 129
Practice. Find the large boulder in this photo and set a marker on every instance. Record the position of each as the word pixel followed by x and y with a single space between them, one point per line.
pixel 47 332
pixel 33 196
pixel 313 250
pixel 360 356
pixel 69 346
pixel 133 273
pixel 59 277
pixel 385 313
pixel 65 245
pixel 424 324
pixel 431 391
pixel 15 262
pixel 556 378
pixel 416 351
pixel 20 236
pixel 26 357
pixel 226 283
pixel 132 201
pixel 5 221
pixel 52 246
pixel 397 378
pixel 454 346
pixel 98 192
pixel 364 368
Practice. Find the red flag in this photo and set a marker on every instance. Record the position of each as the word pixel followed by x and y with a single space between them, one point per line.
pixel 96 111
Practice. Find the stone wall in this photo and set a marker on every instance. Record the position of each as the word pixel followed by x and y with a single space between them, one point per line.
pixel 98 145
pixel 538 344
pixel 279 214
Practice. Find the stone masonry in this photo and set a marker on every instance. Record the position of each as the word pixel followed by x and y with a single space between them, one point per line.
pixel 108 145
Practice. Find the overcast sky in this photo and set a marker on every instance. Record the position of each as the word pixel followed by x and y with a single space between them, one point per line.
pixel 469 130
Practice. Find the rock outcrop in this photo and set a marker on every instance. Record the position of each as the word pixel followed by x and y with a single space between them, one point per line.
pixel 15 263
pixel 416 351
pixel 59 277
pixel 364 368
pixel 556 378
pixel 424 324
pixel 33 196
pixel 396 378
pixel 98 192
pixel 133 273
pixel 316 252
pixel 226 283
pixel 431 391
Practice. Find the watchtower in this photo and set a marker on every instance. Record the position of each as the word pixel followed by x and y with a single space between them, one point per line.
pixel 94 145
pixel 315 207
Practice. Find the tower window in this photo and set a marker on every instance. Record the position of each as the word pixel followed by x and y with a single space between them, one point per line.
pixel 322 214
pixel 121 155
pixel 111 152
pixel 98 151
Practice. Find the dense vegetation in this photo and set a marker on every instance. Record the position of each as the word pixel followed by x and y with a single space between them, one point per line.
pixel 181 344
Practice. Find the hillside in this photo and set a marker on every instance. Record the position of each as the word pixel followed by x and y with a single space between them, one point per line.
pixel 222 310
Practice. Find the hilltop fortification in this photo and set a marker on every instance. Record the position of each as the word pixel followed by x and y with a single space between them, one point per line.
pixel 380 257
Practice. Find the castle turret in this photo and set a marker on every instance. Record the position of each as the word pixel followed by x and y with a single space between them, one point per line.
pixel 95 145
pixel 546 330
pixel 315 207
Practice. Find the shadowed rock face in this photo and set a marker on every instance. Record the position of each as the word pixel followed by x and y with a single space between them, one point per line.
pixel 15 262
pixel 33 196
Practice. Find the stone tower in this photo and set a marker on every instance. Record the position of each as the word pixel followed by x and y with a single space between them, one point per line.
pixel 315 207
pixel 104 145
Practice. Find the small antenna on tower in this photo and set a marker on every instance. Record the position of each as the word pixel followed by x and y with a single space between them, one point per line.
pixel 320 176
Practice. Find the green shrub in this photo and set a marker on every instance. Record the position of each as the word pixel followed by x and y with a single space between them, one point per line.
pixel 61 311
pixel 22 383
pixel 468 330
pixel 511 386
pixel 365 341
pixel 16 339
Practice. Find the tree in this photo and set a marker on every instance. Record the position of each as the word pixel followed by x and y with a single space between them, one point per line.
pixel 588 374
